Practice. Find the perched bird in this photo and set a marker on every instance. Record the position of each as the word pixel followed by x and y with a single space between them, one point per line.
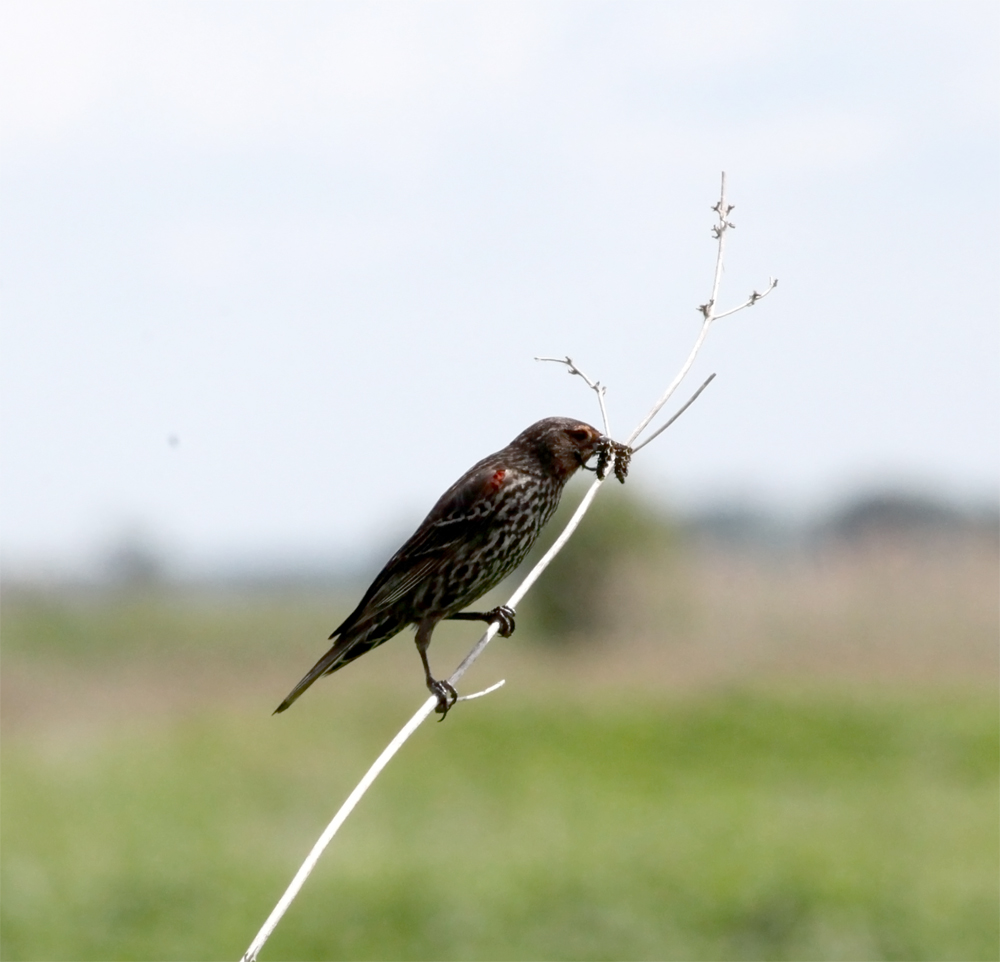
pixel 477 534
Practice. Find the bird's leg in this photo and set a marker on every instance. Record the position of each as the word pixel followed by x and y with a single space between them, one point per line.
pixel 445 691
pixel 502 615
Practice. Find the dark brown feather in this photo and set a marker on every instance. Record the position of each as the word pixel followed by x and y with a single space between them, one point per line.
pixel 478 532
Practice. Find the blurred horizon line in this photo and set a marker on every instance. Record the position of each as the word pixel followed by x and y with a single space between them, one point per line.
pixel 136 557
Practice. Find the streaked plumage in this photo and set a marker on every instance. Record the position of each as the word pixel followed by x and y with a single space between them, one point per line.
pixel 478 532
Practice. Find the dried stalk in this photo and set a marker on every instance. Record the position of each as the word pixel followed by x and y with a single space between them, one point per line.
pixel 722 226
pixel 599 389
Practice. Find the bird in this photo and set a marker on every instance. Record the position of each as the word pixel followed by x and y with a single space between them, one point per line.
pixel 477 533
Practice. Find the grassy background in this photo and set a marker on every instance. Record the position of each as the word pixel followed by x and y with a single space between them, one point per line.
pixel 803 766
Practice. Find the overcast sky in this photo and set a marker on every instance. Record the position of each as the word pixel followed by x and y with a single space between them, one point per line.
pixel 274 275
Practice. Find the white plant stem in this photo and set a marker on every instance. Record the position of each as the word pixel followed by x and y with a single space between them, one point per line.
pixel 317 850
pixel 656 408
pixel 427 708
pixel 406 731
pixel 599 389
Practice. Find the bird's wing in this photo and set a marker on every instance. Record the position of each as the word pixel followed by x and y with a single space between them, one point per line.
pixel 461 514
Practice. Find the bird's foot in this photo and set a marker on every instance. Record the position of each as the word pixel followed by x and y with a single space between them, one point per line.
pixel 504 616
pixel 446 696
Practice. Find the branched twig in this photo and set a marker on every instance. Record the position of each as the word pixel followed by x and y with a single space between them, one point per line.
pixel 722 226
pixel 599 389
pixel 772 283
pixel 615 451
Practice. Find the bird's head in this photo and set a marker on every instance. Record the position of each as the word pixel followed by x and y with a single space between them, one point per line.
pixel 560 445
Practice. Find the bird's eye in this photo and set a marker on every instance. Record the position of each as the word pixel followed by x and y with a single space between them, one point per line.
pixel 579 435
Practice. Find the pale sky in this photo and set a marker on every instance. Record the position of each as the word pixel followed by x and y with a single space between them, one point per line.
pixel 273 275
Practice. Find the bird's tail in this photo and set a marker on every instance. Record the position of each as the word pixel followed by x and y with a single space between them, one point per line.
pixel 331 661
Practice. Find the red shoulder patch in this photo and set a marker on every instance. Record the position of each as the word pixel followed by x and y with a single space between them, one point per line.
pixel 494 482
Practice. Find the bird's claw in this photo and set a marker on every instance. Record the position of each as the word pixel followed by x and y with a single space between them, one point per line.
pixel 446 696
pixel 504 617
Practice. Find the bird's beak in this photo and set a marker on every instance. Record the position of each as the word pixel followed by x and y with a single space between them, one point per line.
pixel 598 444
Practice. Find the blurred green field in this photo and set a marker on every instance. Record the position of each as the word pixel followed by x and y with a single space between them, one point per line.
pixel 735 826
pixel 612 802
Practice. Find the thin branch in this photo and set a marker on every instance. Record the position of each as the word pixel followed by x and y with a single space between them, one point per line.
pixel 709 314
pixel 662 428
pixel 708 311
pixel 755 296
pixel 722 210
pixel 485 691
pixel 317 850
pixel 599 389
pixel 656 408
